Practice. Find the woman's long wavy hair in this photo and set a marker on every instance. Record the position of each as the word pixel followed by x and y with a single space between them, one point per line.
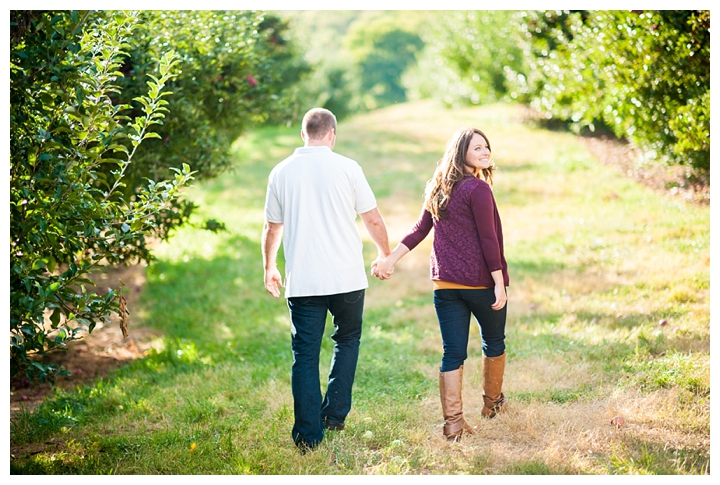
pixel 451 169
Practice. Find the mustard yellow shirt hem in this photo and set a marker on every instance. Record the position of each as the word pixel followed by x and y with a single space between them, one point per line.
pixel 447 285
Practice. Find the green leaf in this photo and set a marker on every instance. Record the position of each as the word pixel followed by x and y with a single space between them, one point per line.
pixel 55 317
pixel 136 225
pixel 52 263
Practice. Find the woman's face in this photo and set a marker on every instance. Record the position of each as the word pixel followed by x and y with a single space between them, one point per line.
pixel 478 153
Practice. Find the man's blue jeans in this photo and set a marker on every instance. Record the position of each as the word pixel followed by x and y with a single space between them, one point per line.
pixel 308 315
pixel 453 308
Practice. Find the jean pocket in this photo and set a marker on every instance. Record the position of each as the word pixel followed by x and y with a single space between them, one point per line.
pixel 299 300
pixel 353 297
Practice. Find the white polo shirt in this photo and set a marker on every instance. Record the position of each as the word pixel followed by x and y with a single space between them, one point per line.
pixel 317 194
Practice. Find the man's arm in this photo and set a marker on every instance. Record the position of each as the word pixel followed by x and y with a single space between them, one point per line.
pixel 375 225
pixel 271 237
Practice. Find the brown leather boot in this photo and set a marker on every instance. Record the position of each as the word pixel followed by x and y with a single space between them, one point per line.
pixel 493 370
pixel 451 400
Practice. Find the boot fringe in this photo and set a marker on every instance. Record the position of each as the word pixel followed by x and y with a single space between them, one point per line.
pixel 494 407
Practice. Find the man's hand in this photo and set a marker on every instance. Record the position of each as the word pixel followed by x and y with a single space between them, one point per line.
pixel 382 269
pixel 271 237
pixel 273 282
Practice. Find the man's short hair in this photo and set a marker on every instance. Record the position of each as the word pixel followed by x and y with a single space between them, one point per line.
pixel 317 122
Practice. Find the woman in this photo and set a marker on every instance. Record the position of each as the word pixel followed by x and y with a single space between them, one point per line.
pixel 468 270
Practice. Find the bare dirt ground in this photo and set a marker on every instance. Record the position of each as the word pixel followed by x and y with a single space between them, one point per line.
pixel 97 353
pixel 105 349
pixel 673 181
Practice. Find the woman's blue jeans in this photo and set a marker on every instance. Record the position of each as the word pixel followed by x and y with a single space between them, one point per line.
pixel 453 308
pixel 308 316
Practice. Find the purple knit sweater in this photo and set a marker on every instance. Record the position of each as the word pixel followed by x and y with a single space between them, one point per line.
pixel 468 243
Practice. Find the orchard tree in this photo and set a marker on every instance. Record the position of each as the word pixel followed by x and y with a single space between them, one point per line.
pixel 68 216
pixel 98 155
pixel 235 70
pixel 382 51
pixel 469 57
pixel 645 74
pixel 332 82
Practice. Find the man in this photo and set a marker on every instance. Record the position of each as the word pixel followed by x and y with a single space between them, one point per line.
pixel 313 199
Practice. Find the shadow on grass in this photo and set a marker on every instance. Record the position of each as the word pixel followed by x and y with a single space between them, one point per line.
pixel 220 305
pixel 218 322
pixel 213 313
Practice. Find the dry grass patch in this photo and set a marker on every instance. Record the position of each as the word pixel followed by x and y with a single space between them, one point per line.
pixel 538 373
pixel 570 438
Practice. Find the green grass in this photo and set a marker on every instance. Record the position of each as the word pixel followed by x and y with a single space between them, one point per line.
pixel 596 261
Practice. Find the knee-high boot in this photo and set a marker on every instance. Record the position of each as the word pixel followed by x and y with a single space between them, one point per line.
pixel 493 397
pixel 451 400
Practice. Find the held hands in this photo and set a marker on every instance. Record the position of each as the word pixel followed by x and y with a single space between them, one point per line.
pixel 382 269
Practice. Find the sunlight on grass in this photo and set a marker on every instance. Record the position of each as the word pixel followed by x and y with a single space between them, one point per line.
pixel 608 315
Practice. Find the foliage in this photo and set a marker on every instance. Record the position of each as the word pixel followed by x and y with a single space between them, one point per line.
pixel 337 88
pixel 80 109
pixel 645 74
pixel 70 150
pixel 360 58
pixel 331 85
pixel 382 51
pixel 333 82
pixel 236 70
pixel 469 57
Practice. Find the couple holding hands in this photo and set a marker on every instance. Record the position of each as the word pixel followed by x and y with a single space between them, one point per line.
pixel 312 201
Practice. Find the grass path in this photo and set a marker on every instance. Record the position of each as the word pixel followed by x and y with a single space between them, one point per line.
pixel 597 262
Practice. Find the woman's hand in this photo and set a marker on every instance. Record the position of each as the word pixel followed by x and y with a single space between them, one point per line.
pixel 500 297
pixel 382 269
pixel 500 294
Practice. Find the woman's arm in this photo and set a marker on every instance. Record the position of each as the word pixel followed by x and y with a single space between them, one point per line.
pixel 419 231
pixel 482 203
pixel 383 269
